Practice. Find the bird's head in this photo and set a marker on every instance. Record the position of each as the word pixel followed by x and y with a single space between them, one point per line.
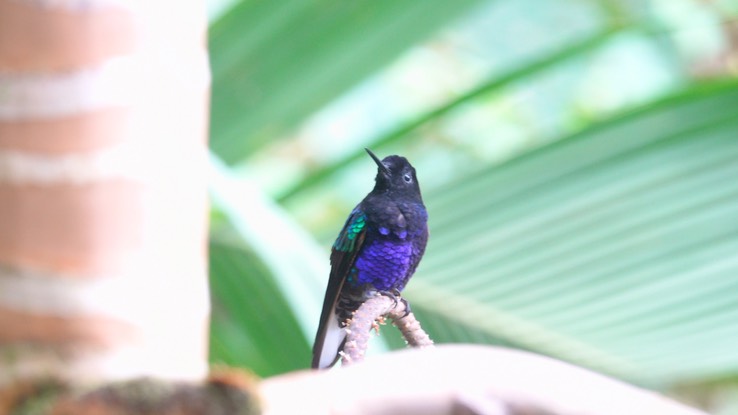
pixel 395 175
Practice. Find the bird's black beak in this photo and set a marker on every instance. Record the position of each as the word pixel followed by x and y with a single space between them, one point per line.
pixel 376 159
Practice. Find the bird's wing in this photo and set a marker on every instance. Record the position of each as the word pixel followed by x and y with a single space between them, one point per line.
pixel 330 336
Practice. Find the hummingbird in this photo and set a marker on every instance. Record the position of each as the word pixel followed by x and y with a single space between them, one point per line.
pixel 376 252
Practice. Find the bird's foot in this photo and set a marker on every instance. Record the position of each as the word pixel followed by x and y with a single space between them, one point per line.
pixel 394 294
pixel 404 302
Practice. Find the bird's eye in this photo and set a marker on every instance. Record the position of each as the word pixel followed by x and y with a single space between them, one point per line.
pixel 408 178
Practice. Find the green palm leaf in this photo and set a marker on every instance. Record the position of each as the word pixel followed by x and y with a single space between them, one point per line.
pixel 585 248
pixel 274 63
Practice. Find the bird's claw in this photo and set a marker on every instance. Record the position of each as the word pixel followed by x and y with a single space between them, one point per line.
pixel 407 307
pixel 394 295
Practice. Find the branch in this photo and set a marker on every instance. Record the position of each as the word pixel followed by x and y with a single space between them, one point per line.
pixel 367 316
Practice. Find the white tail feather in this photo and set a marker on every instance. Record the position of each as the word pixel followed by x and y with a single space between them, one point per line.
pixel 334 337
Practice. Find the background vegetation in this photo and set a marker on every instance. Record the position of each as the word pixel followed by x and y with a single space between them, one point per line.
pixel 577 159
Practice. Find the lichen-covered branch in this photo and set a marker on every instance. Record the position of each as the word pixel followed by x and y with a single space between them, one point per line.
pixel 369 315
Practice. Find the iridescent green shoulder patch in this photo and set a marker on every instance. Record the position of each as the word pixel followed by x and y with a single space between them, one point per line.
pixel 346 241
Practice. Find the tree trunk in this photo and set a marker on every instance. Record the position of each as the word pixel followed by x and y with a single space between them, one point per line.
pixel 103 211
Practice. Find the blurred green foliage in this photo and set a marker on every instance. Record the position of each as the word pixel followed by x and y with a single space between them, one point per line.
pixel 577 159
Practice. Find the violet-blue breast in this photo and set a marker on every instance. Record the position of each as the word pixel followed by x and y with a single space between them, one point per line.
pixel 376 252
